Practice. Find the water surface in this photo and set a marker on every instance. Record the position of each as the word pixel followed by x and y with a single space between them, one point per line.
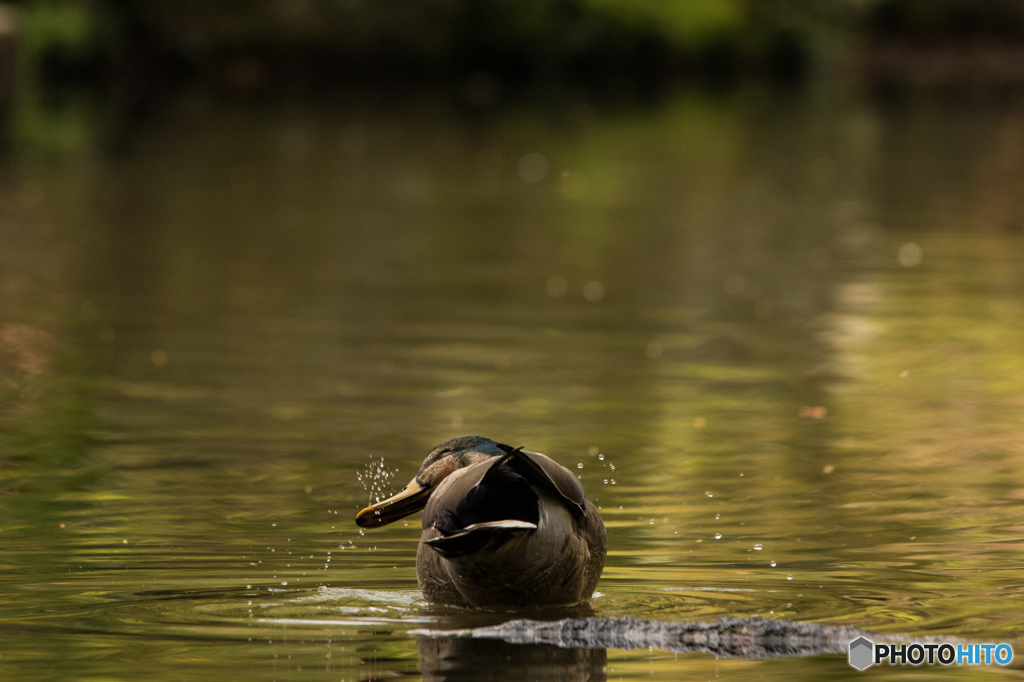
pixel 777 336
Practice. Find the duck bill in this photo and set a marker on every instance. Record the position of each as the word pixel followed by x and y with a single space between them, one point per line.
pixel 409 501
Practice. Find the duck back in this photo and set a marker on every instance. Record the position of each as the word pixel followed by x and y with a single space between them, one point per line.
pixel 503 533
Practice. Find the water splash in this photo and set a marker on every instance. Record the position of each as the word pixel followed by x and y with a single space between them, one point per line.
pixel 377 480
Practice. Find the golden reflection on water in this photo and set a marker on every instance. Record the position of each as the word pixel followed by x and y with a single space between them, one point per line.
pixel 211 343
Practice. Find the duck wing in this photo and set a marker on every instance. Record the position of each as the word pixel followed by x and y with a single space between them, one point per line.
pixel 499 505
pixel 544 472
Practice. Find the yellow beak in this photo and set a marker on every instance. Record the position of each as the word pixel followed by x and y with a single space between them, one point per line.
pixel 409 501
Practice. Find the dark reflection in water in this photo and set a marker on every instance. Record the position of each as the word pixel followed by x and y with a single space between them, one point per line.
pixel 462 657
pixel 456 658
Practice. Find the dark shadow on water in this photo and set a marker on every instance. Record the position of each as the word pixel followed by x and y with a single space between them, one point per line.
pixel 469 658
pixel 453 658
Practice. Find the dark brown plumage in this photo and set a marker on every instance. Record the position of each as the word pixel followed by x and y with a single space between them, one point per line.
pixel 502 527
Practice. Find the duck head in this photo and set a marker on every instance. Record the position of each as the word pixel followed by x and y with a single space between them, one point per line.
pixel 439 464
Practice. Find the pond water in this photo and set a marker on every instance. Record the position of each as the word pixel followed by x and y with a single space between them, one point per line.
pixel 778 336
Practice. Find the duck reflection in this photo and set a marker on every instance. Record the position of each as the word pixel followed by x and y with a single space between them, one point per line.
pixel 463 658
pixel 457 658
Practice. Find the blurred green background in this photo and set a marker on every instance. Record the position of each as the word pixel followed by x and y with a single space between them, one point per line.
pixel 258 43
pixel 751 266
pixel 803 301
pixel 75 70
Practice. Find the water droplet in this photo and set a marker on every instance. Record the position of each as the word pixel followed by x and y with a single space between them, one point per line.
pixel 718 516
pixel 601 457
pixel 580 465
pixel 708 493
pixel 361 532
pixel 789 577
pixel 757 547
pixel 773 563
pixel 284 583
pixel 606 481
pixel 612 466
pixel 718 536
pixel 613 481
pixel 652 522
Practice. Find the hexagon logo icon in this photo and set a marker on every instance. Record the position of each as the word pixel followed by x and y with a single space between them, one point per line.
pixel 862 652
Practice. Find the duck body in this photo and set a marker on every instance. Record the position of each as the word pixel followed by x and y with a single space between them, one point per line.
pixel 502 527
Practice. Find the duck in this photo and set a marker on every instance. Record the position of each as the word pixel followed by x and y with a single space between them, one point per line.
pixel 503 527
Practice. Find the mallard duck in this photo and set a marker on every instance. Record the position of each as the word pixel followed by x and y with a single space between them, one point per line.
pixel 502 527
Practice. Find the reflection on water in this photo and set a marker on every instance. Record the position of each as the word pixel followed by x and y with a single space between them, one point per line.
pixel 777 335
pixel 454 659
